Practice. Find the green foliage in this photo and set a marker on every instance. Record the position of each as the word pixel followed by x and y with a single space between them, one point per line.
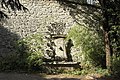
pixel 116 65
pixel 30 51
pixel 92 71
pixel 115 44
pixel 8 63
pixel 28 55
pixel 90 45
pixel 55 70
pixel 115 40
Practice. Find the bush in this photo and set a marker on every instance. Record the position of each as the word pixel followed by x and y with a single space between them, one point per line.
pixel 90 71
pixel 8 62
pixel 116 66
pixel 30 51
pixel 90 44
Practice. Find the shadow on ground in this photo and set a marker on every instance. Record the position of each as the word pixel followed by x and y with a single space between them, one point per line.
pixel 23 76
pixel 26 76
pixel 109 78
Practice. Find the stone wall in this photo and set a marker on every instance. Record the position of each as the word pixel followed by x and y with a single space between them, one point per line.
pixel 21 24
pixel 41 14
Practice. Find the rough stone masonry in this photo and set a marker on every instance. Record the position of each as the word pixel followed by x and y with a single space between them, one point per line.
pixel 41 13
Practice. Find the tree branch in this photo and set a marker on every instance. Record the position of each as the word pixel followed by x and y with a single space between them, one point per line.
pixel 78 3
pixel 13 4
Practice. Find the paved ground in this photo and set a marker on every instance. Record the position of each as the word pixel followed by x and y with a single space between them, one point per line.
pixel 23 76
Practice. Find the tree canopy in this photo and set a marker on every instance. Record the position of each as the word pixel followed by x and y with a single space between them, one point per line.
pixel 108 8
pixel 100 15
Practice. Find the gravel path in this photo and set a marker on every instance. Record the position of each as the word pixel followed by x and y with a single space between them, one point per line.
pixel 23 76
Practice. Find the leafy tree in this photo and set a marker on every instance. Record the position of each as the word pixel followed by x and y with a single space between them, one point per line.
pixel 98 15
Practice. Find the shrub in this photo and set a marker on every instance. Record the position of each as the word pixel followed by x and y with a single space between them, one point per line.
pixel 116 65
pixel 8 62
pixel 90 44
pixel 30 51
pixel 90 71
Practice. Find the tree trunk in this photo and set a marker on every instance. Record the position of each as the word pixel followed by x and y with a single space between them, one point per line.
pixel 106 29
pixel 107 50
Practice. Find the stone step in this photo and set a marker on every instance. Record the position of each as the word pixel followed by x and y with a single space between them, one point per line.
pixel 62 64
